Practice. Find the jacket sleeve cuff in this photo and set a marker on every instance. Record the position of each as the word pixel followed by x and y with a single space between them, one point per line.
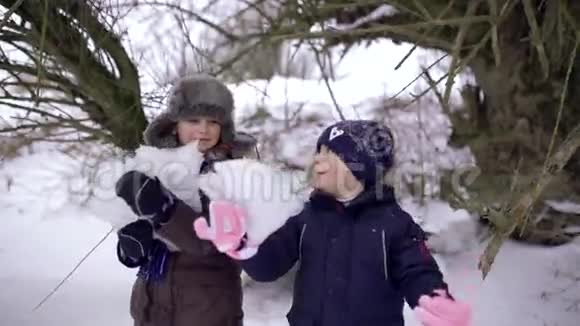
pixel 179 230
pixel 128 261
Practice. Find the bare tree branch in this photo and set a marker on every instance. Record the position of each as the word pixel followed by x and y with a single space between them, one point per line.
pixel 92 63
pixel 326 82
pixel 536 38
pixel 9 13
pixel 189 13
pixel 455 53
pixel 493 9
pixel 436 62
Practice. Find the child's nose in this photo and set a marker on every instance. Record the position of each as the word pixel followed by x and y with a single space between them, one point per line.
pixel 321 166
pixel 321 156
pixel 203 126
pixel 319 159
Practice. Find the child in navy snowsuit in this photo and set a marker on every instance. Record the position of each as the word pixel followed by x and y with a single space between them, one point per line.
pixel 360 254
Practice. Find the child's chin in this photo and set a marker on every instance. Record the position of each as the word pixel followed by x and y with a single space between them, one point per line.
pixel 204 145
pixel 323 188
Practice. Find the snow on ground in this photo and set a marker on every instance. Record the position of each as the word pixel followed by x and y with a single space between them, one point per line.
pixel 37 253
pixel 522 289
pixel 564 206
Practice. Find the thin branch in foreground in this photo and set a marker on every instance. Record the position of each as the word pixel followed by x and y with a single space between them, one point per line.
pixel 74 269
pixel 418 77
pixel 536 38
pixel 231 37
pixel 10 12
pixel 406 57
pixel 561 104
pixel 462 64
pixel 455 57
pixel 433 85
pixel 424 92
pixel 326 82
pixel 494 30
pixel 415 46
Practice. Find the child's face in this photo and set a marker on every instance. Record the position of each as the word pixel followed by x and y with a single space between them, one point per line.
pixel 206 130
pixel 332 176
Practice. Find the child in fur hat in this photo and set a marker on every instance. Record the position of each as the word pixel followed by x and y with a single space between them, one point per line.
pixel 190 282
pixel 360 254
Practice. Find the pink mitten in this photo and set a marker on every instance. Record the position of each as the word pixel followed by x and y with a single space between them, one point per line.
pixel 227 225
pixel 226 230
pixel 244 253
pixel 441 310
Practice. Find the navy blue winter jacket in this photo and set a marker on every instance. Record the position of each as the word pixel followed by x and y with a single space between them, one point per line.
pixel 356 262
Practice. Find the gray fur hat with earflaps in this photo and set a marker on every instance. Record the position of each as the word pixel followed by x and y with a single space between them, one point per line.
pixel 195 96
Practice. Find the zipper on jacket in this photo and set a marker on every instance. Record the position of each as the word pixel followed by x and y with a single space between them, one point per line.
pixel 385 255
pixel 300 243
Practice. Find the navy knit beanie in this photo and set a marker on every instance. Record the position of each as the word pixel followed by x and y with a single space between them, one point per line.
pixel 365 146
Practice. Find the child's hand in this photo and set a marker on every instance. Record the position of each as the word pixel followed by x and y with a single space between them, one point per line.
pixel 227 225
pixel 227 229
pixel 441 310
pixel 243 253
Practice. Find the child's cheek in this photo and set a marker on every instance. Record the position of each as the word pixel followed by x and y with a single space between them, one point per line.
pixel 322 167
pixel 342 179
pixel 325 183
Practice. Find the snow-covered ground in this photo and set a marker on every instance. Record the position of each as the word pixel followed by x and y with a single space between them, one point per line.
pixel 527 286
